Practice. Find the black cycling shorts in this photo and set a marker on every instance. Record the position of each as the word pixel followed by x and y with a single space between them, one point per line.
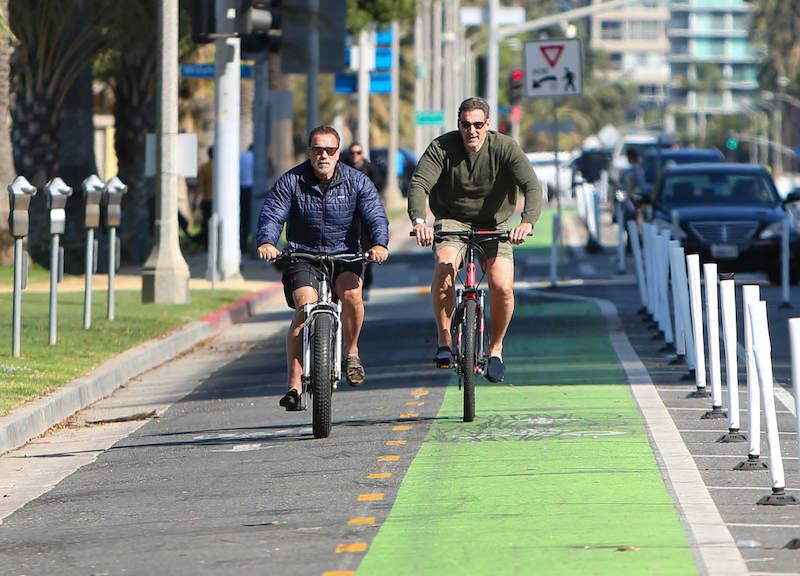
pixel 304 273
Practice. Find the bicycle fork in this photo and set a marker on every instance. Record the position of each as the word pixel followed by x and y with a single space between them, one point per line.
pixel 311 311
pixel 458 328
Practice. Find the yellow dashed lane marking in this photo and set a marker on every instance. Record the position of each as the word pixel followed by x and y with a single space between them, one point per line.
pixel 388 458
pixel 401 428
pixel 379 475
pixel 395 443
pixel 339 573
pixel 418 393
pixel 354 547
pixel 415 403
pixel 374 497
pixel 424 290
pixel 361 521
pixel 410 415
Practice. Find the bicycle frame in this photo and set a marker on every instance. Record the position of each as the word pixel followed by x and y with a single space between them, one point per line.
pixel 324 305
pixel 470 291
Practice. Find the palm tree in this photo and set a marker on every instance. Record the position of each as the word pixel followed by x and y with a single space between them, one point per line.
pixel 7 173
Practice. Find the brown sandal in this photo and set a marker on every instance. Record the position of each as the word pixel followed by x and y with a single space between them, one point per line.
pixel 354 370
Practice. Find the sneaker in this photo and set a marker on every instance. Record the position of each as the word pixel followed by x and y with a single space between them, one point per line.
pixel 354 370
pixel 291 401
pixel 495 369
pixel 444 357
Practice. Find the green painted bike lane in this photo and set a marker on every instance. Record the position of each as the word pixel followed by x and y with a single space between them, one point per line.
pixel 555 475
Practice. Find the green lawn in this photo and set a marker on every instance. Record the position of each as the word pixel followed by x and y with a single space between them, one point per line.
pixel 42 367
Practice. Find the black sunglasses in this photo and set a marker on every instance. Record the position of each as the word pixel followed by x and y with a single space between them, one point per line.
pixel 318 150
pixel 356 151
pixel 466 125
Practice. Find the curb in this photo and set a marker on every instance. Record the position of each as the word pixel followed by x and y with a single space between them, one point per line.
pixel 39 415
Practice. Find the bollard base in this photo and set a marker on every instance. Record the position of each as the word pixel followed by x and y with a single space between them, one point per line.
pixel 752 463
pixel 669 348
pixel 678 360
pixel 732 435
pixel 785 305
pixel 778 498
pixel 699 393
pixel 716 413
pixel 793 544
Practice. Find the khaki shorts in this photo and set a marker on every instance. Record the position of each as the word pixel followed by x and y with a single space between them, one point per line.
pixel 492 249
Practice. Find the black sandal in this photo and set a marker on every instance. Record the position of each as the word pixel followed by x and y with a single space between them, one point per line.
pixel 291 401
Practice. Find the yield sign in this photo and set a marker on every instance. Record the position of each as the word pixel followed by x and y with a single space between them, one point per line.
pixel 552 53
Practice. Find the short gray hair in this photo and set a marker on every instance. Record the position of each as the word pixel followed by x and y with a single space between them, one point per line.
pixel 474 103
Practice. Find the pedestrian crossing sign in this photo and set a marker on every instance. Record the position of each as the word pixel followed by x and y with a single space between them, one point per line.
pixel 553 68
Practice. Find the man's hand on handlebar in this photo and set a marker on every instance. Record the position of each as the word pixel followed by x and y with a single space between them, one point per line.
pixel 424 234
pixel 268 252
pixel 518 233
pixel 378 254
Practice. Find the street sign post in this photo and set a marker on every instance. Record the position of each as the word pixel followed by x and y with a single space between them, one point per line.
pixel 553 68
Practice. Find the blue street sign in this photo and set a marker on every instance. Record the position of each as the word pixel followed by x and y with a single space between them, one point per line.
pixel 207 71
pixel 379 83
pixel 384 37
pixel 383 58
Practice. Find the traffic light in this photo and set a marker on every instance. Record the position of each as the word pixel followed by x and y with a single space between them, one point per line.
pixel 516 87
pixel 258 23
pixel 731 143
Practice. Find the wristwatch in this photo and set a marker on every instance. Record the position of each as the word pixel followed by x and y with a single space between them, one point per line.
pixel 418 221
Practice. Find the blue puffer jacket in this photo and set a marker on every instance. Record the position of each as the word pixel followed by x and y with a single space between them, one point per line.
pixel 329 223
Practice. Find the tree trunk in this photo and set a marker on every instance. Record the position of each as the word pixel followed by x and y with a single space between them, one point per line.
pixel 7 173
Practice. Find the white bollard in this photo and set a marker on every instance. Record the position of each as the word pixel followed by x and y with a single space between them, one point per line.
pixel 554 249
pixel 727 292
pixel 751 294
pixel 598 235
pixel 663 270
pixel 794 337
pixel 712 331
pixel 686 312
pixel 695 298
pixel 786 299
pixel 604 186
pixel 633 234
pixel 763 354
pixel 649 269
pixel 680 329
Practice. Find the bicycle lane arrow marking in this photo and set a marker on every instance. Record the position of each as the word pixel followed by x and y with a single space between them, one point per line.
pixel 526 485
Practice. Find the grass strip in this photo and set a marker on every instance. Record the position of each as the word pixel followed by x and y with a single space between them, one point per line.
pixel 43 368
pixel 555 476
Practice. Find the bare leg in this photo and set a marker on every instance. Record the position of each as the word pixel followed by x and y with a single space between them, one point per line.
pixel 294 338
pixel 443 292
pixel 500 273
pixel 348 288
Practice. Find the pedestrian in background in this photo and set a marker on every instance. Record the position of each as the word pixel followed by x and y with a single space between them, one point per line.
pixel 205 175
pixel 356 159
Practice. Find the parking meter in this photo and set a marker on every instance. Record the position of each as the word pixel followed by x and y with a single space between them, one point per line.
pixel 57 194
pixel 20 192
pixel 114 191
pixel 113 205
pixel 93 189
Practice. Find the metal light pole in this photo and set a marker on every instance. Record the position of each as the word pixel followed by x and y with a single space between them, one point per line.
pixel 493 60
pixel 312 80
pixel 165 277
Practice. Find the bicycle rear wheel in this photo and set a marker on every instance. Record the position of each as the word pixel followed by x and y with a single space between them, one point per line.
pixel 468 341
pixel 322 352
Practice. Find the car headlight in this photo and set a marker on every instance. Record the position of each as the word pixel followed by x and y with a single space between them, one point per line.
pixel 774 230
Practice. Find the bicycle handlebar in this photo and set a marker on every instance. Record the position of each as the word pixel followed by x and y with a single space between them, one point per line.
pixel 288 256
pixel 501 235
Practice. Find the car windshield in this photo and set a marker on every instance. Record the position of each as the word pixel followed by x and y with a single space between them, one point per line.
pixel 718 190
pixel 650 164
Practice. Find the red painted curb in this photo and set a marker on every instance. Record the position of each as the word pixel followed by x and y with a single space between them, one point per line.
pixel 236 311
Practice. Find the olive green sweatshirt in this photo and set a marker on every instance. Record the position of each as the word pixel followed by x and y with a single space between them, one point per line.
pixel 478 188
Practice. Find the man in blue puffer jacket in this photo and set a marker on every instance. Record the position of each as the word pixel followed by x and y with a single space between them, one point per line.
pixel 324 204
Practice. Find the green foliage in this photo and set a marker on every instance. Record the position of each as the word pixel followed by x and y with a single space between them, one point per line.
pixel 774 25
pixel 43 368
pixel 362 13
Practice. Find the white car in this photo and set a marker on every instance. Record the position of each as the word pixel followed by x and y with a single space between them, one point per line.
pixel 544 165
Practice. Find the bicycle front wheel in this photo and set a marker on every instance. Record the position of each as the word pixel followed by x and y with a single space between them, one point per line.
pixel 468 340
pixel 322 352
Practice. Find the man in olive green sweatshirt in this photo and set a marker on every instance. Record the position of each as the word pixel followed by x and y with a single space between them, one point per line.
pixel 471 177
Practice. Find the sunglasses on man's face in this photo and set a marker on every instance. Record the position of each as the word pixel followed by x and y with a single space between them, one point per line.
pixel 466 125
pixel 354 152
pixel 318 150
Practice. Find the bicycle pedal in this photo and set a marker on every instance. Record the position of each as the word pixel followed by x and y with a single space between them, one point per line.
pixel 443 364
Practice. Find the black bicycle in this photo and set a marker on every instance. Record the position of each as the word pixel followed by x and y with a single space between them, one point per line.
pixel 468 329
pixel 322 340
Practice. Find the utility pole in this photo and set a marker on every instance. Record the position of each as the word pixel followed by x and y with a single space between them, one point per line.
pixel 312 80
pixel 391 194
pixel 165 276
pixel 261 128
pixel 226 141
pixel 364 46
pixel 436 84
pixel 419 83
pixel 493 61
